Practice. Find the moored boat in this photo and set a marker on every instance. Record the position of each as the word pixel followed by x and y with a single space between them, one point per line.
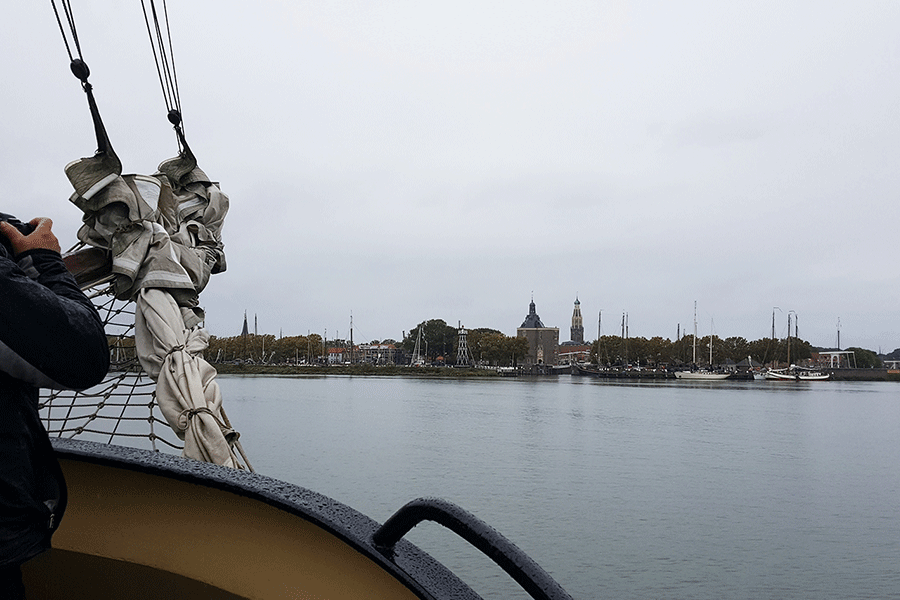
pixel 795 373
pixel 618 373
pixel 702 375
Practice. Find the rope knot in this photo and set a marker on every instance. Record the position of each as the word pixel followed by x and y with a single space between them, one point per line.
pixel 187 414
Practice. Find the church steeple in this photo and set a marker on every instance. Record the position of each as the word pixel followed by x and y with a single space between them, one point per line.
pixel 245 331
pixel 576 333
pixel 532 320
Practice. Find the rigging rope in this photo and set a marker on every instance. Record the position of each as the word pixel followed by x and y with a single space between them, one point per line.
pixel 82 72
pixel 70 19
pixel 161 44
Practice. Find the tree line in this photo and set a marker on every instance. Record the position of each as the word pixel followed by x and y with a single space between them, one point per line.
pixel 487 346
pixel 266 348
pixel 439 343
pixel 617 351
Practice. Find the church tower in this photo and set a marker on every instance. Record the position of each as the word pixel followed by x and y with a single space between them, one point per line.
pixel 543 342
pixel 576 333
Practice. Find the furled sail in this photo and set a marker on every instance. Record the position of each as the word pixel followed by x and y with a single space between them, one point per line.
pixel 163 235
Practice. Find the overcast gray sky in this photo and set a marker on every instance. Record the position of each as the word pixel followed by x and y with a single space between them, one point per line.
pixel 403 161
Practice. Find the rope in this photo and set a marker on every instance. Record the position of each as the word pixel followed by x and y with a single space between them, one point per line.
pixel 70 19
pixel 161 44
pixel 82 72
pixel 187 414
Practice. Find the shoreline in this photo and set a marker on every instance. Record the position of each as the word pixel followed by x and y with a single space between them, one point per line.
pixel 361 370
pixel 451 372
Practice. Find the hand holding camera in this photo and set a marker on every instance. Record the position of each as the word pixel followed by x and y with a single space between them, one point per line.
pixel 20 237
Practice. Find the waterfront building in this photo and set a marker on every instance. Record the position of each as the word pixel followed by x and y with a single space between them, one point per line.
pixel 571 353
pixel 338 356
pixel 543 342
pixel 378 354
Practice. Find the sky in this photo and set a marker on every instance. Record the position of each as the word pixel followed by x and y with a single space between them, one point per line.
pixel 401 161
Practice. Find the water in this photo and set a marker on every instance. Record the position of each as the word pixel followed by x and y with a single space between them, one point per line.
pixel 662 490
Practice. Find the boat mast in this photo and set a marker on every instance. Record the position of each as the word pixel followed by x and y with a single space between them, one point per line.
pixel 695 333
pixel 417 352
pixel 789 339
pixel 839 333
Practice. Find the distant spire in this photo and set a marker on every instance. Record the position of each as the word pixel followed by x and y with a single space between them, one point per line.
pixel 244 331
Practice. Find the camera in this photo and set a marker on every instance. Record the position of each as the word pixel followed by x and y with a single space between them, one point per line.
pixel 25 228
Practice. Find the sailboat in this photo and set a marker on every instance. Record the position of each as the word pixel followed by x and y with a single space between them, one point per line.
pixel 794 372
pixel 418 358
pixel 701 374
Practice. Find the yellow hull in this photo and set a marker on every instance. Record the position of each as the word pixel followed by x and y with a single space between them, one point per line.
pixel 129 532
pixel 145 525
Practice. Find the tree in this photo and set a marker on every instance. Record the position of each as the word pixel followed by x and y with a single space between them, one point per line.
pixel 866 359
pixel 517 348
pixel 736 348
pixel 683 350
pixel 763 350
pixel 608 350
pixel 438 339
pixel 479 341
pixel 659 351
pixel 494 348
pixel 894 355
pixel 291 349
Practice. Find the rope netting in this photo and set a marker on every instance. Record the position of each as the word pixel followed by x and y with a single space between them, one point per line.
pixel 122 409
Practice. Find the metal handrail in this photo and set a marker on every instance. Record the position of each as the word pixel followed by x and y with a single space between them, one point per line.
pixel 507 555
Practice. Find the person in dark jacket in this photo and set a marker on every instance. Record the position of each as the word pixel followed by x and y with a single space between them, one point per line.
pixel 50 336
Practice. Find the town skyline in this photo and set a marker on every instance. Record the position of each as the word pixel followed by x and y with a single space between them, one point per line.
pixel 600 330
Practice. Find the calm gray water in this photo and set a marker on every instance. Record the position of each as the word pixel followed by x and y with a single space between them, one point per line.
pixel 663 490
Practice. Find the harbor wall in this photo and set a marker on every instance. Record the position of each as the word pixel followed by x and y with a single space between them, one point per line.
pixel 864 375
